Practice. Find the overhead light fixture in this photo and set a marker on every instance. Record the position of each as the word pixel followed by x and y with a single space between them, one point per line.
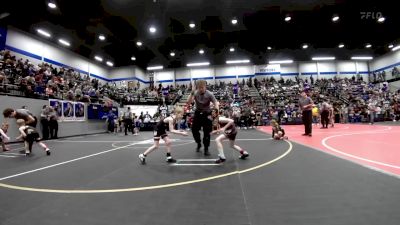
pixel 98 58
pixel 288 18
pixel 109 63
pixel 152 29
pixel 341 46
pixel 192 25
pixel 269 48
pixel 198 64
pixel 305 46
pixel 102 37
pixel 237 61
pixel 232 49
pixel 323 58
pixel 139 43
pixel 368 45
pixel 396 48
pixel 234 21
pixel 64 42
pixel 133 58
pixel 172 54
pixel 285 61
pixel 52 5
pixel 155 68
pixel 201 51
pixel 390 46
pixel 381 19
pixel 335 18
pixel 361 57
pixel 44 33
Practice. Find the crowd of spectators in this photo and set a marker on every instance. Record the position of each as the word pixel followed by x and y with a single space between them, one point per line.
pixel 352 98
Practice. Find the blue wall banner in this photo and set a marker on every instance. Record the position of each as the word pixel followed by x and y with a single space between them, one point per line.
pixel 3 37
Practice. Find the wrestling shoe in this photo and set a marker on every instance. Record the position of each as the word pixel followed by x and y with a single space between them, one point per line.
pixel 170 159
pixel 220 160
pixel 142 159
pixel 244 155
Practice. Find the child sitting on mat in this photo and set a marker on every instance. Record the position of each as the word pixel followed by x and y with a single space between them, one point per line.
pixel 4 137
pixel 278 133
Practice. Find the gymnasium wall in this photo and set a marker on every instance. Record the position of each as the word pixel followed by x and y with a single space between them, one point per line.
pixel 230 73
pixel 27 46
pixel 71 128
pixel 386 63
pixel 37 49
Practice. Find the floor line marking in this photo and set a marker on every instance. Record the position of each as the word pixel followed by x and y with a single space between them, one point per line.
pixel 73 141
pixel 22 188
pixel 62 163
pixel 10 153
pixel 324 143
pixel 8 156
pixel 195 160
pixel 195 164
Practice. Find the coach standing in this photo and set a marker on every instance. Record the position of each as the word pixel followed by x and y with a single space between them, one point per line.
pixel 306 105
pixel 202 114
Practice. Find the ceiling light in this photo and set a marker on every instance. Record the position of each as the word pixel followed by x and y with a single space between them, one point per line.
pixel 172 54
pixel 237 61
pixel 192 25
pixel 201 51
pixel 102 37
pixel 269 48
pixel 381 19
pixel 232 49
pixel 323 58
pixel 341 46
pixel 396 48
pixel 52 5
pixel 44 33
pixel 368 45
pixel 109 63
pixel 152 29
pixel 305 46
pixel 64 42
pixel 155 68
pixel 234 21
pixel 285 61
pixel 133 58
pixel 335 18
pixel 139 43
pixel 98 58
pixel 361 57
pixel 390 46
pixel 198 64
pixel 288 18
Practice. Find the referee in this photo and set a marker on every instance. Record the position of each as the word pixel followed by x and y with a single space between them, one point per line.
pixel 306 105
pixel 202 115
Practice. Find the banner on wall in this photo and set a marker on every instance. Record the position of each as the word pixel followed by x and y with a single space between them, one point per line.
pixel 68 110
pixel 3 37
pixel 57 106
pixel 99 112
pixel 269 68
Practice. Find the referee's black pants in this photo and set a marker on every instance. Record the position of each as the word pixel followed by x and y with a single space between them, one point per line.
pixel 307 121
pixel 202 119
pixel 128 126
